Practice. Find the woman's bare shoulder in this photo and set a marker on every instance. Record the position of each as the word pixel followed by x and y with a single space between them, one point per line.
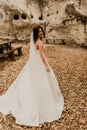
pixel 39 44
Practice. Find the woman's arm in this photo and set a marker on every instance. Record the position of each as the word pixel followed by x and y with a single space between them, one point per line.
pixel 41 49
pixel 28 48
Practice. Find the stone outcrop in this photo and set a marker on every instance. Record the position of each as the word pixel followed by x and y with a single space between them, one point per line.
pixel 64 21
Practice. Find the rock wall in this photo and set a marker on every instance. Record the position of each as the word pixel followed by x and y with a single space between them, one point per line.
pixel 64 21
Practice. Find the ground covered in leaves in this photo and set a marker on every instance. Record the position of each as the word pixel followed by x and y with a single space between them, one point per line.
pixel 70 67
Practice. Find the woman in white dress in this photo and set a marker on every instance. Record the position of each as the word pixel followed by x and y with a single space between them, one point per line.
pixel 34 97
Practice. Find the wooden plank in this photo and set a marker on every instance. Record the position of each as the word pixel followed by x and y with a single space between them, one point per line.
pixel 10 53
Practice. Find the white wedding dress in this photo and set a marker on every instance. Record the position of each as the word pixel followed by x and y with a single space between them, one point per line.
pixel 34 97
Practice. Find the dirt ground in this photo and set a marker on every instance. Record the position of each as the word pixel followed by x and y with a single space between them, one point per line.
pixel 70 67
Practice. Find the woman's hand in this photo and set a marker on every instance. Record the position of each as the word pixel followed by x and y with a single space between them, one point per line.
pixel 28 48
pixel 47 69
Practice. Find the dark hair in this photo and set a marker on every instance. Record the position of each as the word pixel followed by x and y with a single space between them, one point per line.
pixel 35 32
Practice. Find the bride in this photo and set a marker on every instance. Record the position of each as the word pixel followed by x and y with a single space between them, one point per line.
pixel 34 97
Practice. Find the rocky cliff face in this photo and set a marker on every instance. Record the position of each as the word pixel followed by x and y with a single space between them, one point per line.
pixel 64 21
